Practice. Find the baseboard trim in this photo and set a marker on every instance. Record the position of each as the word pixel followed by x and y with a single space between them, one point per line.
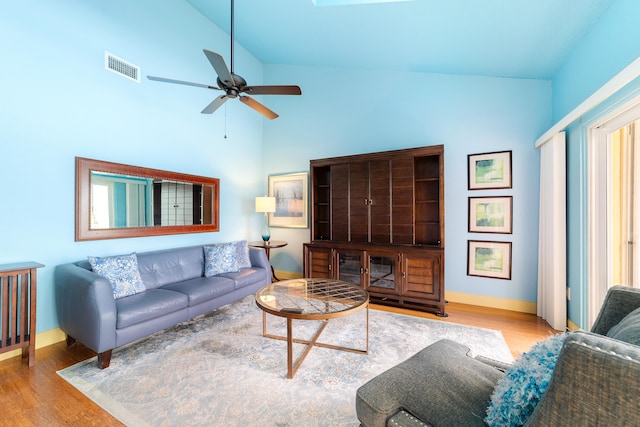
pixel 492 302
pixel 43 339
pixel 286 275
pixel 572 327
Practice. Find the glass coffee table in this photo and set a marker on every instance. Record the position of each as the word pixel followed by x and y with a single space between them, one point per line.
pixel 311 299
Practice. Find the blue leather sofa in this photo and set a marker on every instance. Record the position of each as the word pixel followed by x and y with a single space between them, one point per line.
pixel 176 290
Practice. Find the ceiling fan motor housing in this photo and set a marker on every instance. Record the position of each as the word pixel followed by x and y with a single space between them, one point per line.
pixel 234 88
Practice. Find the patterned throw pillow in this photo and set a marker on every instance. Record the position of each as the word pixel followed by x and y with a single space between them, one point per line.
pixel 220 259
pixel 122 271
pixel 520 390
pixel 243 254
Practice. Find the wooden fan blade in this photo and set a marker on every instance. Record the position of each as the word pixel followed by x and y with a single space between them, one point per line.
pixel 215 104
pixel 258 107
pixel 273 90
pixel 182 82
pixel 218 64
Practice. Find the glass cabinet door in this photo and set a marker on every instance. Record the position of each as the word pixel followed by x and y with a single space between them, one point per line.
pixel 382 273
pixel 350 268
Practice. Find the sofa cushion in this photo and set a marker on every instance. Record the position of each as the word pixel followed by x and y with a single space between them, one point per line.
pixel 148 305
pixel 202 289
pixel 628 330
pixel 220 258
pixel 163 267
pixel 520 390
pixel 122 271
pixel 246 277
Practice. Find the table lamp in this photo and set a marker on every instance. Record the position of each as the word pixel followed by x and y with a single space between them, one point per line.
pixel 267 205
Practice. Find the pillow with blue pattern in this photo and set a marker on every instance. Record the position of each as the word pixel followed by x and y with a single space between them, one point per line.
pixel 244 261
pixel 220 259
pixel 122 271
pixel 524 383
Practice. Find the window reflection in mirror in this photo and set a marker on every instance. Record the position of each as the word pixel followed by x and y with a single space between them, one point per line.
pixel 120 201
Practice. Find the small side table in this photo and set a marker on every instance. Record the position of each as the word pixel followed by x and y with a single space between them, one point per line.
pixel 18 286
pixel 267 246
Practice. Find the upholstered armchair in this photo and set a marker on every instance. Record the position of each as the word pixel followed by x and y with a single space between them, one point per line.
pixel 594 379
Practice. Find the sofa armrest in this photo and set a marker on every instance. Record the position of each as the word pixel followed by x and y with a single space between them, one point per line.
pixel 619 301
pixel 258 257
pixel 85 306
pixel 596 381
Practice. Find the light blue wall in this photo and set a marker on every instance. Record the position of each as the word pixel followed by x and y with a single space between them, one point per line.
pixel 59 102
pixel 343 112
pixel 610 46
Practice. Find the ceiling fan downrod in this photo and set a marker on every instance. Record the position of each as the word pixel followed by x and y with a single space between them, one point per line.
pixel 232 37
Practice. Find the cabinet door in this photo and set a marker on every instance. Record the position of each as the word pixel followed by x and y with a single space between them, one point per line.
pixel 359 202
pixel 381 273
pixel 318 262
pixel 350 266
pixel 369 202
pixel 379 202
pixel 421 276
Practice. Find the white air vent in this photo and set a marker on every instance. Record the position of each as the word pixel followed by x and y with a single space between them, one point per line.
pixel 122 67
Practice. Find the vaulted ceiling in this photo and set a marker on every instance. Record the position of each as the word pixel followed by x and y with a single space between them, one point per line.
pixel 506 38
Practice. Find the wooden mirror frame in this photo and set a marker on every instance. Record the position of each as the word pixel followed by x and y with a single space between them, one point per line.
pixel 84 168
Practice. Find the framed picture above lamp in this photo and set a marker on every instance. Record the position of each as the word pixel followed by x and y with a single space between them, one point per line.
pixel 291 192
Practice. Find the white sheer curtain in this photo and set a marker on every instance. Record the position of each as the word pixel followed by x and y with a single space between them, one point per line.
pixel 552 254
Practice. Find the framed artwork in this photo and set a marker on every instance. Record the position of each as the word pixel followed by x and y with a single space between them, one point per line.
pixel 489 259
pixel 292 200
pixel 489 170
pixel 491 214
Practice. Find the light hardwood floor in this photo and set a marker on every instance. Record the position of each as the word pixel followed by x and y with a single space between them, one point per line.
pixel 37 396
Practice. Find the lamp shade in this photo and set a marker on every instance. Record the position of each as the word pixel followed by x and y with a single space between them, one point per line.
pixel 265 204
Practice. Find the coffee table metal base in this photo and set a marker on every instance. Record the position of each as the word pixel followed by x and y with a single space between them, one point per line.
pixel 292 366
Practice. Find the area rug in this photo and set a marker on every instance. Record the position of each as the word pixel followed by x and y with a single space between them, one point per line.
pixel 218 369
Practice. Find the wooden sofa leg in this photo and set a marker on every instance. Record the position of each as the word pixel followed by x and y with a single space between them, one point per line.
pixel 104 359
pixel 70 340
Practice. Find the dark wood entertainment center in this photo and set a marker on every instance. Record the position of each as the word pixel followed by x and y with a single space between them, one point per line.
pixel 377 220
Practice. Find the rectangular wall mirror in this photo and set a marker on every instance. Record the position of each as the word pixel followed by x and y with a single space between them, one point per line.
pixel 117 201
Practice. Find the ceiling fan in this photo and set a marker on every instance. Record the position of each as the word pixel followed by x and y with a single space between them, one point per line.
pixel 233 85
